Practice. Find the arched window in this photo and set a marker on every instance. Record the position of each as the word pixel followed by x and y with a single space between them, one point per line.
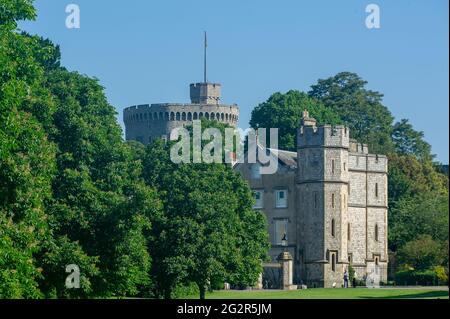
pixel 333 227
pixel 195 116
pixel 161 115
pixel 200 115
pixel 207 115
pixel 226 117
pixel 222 116
pixel 376 232
pixel 213 116
pixel 189 116
pixel 167 116
pixel 172 116
pixel 218 116
pixel 183 116
pixel 178 116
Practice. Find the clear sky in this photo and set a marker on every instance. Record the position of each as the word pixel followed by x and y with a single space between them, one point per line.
pixel 146 51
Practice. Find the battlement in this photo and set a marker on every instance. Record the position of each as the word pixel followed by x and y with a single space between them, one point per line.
pixel 326 135
pixel 356 147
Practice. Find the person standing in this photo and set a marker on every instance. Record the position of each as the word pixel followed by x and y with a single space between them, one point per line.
pixel 345 278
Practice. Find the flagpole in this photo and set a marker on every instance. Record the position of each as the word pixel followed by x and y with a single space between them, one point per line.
pixel 206 45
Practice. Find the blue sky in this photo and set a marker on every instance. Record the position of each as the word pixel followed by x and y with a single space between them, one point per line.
pixel 149 51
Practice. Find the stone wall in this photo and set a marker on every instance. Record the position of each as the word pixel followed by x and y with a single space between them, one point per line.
pixel 146 122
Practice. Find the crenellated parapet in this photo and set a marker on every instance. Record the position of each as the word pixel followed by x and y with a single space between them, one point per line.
pixel 149 121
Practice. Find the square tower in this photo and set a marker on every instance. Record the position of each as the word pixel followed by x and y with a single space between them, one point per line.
pixel 205 93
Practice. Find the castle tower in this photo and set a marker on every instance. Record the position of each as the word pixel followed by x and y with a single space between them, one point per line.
pixel 205 93
pixel 322 181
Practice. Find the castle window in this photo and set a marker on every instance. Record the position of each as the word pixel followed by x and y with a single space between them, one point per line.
pixel 217 116
pixel 207 115
pixel 183 116
pixel 281 199
pixel 332 201
pixel 200 115
pixel 178 116
pixel 255 171
pixel 189 116
pixel 161 115
pixel 167 116
pixel 376 261
pixel 376 232
pixel 172 116
pixel 345 167
pixel 222 116
pixel 280 231
pixel 348 232
pixel 376 190
pixel 332 166
pixel 333 231
pixel 226 117
pixel 195 116
pixel 333 262
pixel 259 199
pixel 213 116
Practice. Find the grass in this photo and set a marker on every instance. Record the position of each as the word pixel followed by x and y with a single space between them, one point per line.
pixel 324 293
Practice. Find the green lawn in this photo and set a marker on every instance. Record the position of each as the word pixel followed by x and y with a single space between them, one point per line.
pixel 323 293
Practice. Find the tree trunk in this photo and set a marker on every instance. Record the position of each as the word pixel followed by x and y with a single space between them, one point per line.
pixel 201 288
pixel 168 294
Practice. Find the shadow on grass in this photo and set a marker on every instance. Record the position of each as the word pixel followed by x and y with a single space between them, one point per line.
pixel 419 295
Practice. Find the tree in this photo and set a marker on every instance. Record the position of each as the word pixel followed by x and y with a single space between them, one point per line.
pixel 408 141
pixel 100 200
pixel 424 214
pixel 359 108
pixel 209 231
pixel 284 111
pixel 27 160
pixel 422 253
pixel 409 177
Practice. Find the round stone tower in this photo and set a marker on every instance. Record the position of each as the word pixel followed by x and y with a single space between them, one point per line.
pixel 146 122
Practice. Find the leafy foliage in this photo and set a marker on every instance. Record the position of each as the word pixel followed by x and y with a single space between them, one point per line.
pixel 283 111
pixel 208 231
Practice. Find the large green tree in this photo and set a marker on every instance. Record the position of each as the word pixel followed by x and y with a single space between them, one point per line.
pixel 359 108
pixel 27 159
pixel 71 190
pixel 209 231
pixel 284 111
